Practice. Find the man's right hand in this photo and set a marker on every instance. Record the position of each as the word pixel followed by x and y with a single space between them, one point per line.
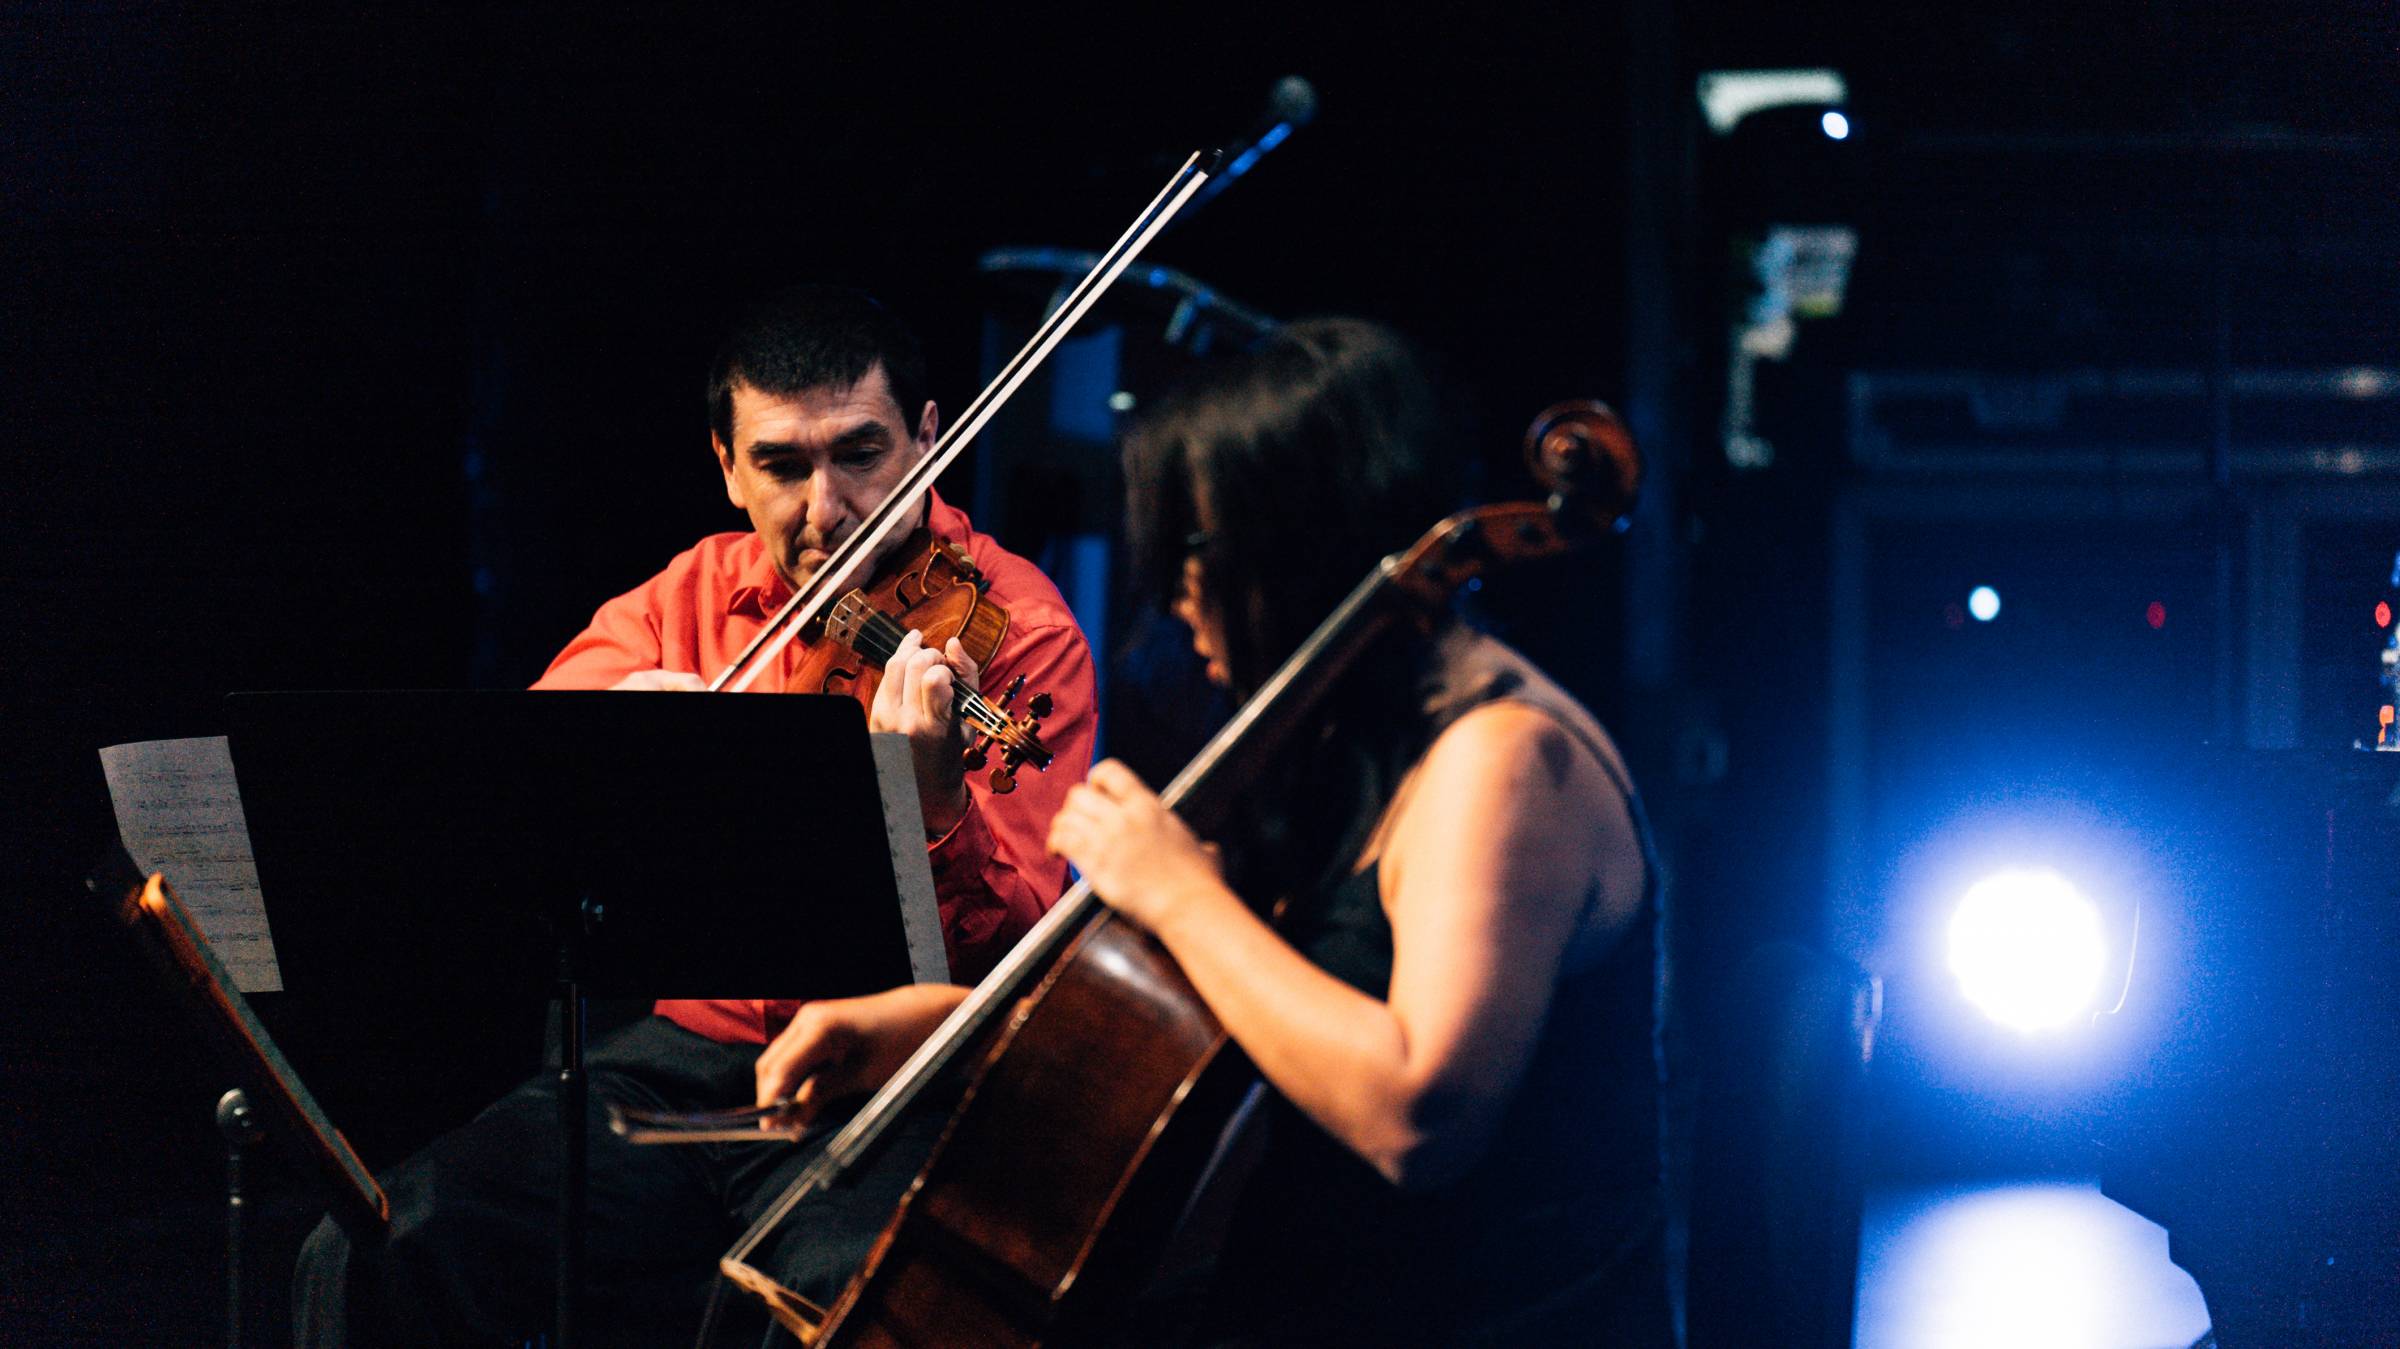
pixel 842 1047
pixel 661 681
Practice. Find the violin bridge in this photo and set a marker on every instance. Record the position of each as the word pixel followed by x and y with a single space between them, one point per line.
pixel 847 618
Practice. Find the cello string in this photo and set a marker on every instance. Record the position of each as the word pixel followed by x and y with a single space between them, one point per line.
pixel 811 600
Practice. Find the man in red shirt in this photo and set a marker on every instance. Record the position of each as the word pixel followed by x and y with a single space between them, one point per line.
pixel 810 418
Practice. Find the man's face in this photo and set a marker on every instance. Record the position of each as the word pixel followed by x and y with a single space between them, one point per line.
pixel 809 468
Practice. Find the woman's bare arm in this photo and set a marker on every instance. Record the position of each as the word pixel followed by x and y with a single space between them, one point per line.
pixel 1484 873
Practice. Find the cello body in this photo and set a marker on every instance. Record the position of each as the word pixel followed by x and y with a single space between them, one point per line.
pixel 1103 1107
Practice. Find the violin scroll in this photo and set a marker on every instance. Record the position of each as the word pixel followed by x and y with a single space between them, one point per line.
pixel 1019 738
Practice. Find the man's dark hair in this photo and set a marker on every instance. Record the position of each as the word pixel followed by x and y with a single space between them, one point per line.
pixel 1316 453
pixel 815 337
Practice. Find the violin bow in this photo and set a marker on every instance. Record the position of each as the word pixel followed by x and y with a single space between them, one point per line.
pixel 812 599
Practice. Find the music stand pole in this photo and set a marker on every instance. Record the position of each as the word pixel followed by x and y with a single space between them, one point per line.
pixel 574 1106
pixel 241 1128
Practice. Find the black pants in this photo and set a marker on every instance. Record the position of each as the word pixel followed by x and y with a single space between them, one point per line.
pixel 471 1256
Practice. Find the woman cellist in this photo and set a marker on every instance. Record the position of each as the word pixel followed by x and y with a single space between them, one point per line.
pixel 1454 1005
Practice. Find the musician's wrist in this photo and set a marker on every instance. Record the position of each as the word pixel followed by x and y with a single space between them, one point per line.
pixel 944 809
pixel 1182 913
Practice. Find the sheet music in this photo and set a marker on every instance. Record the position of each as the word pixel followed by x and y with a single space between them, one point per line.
pixel 904 834
pixel 180 812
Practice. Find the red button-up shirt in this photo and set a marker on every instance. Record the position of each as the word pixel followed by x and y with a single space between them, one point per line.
pixel 991 872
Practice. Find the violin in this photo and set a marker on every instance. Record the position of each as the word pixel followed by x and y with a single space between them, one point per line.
pixel 1008 1238
pixel 937 590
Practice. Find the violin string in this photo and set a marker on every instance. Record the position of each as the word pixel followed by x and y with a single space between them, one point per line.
pixel 879 635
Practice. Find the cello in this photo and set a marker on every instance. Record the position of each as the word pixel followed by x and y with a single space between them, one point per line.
pixel 1096 1037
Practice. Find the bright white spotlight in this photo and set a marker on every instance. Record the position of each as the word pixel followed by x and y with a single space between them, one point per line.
pixel 1984 603
pixel 2026 947
pixel 1836 126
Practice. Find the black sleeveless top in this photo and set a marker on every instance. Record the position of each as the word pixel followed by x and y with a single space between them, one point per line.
pixel 1557 1235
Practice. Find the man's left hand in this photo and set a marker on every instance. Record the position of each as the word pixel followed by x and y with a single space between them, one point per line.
pixel 919 699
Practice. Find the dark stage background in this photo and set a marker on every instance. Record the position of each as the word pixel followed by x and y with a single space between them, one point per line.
pixel 362 349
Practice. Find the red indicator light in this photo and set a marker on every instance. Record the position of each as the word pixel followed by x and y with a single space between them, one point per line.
pixel 2383 613
pixel 2155 615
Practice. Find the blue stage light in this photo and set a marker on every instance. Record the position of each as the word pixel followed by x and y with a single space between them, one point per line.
pixel 2027 948
pixel 1984 603
pixel 1837 127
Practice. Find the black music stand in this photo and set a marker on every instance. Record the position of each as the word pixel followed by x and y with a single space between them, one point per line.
pixel 416 846
pixel 269 1101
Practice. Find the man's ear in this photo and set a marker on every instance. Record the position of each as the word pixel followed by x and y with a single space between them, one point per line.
pixel 929 427
pixel 733 486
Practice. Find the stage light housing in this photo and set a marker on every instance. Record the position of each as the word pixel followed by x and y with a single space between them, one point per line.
pixel 2028 949
pixel 1728 96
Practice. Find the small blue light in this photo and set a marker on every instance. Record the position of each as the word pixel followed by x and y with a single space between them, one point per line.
pixel 1984 603
pixel 1837 127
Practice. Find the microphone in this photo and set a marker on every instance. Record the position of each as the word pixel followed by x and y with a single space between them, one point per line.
pixel 1291 105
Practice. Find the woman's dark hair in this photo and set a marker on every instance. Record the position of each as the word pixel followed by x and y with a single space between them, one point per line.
pixel 1305 460
pixel 814 337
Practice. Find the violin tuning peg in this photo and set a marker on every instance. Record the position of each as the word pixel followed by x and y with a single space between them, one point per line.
pixel 974 756
pixel 1004 780
pixel 1040 706
pixel 1015 687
